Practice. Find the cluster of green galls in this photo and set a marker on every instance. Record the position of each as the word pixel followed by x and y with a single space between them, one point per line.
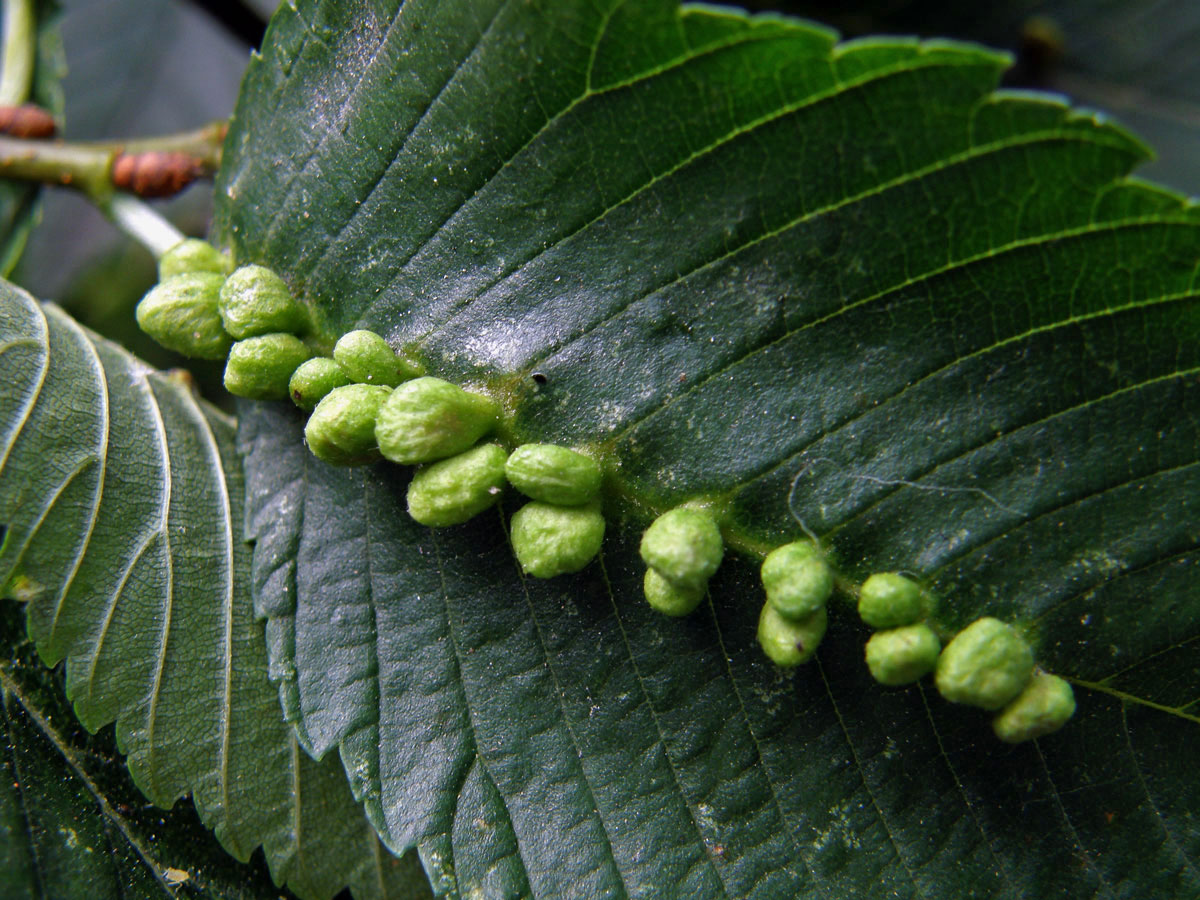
pixel 988 664
pixel 368 403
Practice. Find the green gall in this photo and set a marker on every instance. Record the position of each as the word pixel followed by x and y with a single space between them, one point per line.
pixel 181 314
pixel 313 380
pixel 1045 706
pixel 261 367
pixel 902 655
pixel 454 490
pixel 797 580
pixel 341 430
pixel 367 358
pixel 790 642
pixel 554 474
pixel 888 600
pixel 254 301
pixel 685 546
pixel 671 599
pixel 554 540
pixel 192 255
pixel 986 665
pixel 428 419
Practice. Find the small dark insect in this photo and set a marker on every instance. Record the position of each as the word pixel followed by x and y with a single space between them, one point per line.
pixel 26 121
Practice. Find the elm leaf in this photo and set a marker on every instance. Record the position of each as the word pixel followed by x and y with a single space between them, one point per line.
pixel 844 290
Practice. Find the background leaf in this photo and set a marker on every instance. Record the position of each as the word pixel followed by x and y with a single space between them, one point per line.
pixel 72 825
pixel 121 497
pixel 841 289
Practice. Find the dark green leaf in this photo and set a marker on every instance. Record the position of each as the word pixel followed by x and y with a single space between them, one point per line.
pixel 71 824
pixel 847 290
pixel 121 497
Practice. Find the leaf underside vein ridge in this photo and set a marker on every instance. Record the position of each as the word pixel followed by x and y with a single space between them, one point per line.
pixel 132 570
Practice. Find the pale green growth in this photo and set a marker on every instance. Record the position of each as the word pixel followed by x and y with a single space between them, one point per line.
pixel 428 419
pixel 554 540
pixel 315 378
pixel 454 490
pixel 902 655
pixel 797 580
pixel 789 642
pixel 888 600
pixel 367 358
pixel 181 314
pixel 1045 706
pixel 986 665
pixel 341 430
pixel 193 255
pixel 685 546
pixel 554 474
pixel 261 367
pixel 668 598
pixel 254 301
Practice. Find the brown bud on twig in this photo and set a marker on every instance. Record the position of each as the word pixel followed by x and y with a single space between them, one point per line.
pixel 26 121
pixel 155 173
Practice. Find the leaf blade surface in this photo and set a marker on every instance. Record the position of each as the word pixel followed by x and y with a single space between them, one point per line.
pixel 120 496
pixel 848 289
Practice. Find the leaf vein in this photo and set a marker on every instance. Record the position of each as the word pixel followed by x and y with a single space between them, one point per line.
pixel 971 550
pixel 402 141
pixel 570 731
pixel 293 186
pixel 168 606
pixel 1062 810
pixel 662 735
pixel 1005 433
pixel 991 254
pixel 542 130
pixel 727 138
pixel 1168 833
pixel 858 767
pixel 962 791
pixel 459 682
pixel 102 442
pixel 225 526
pixel 18 424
